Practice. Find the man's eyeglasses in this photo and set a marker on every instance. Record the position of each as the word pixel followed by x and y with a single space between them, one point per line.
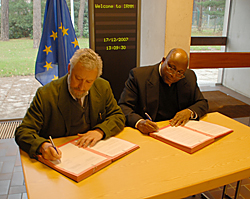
pixel 173 71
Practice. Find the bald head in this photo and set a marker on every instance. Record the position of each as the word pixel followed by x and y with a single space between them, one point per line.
pixel 174 66
pixel 180 56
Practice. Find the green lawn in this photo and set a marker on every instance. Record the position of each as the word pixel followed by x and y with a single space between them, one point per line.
pixel 18 56
pixel 205 48
pixel 205 33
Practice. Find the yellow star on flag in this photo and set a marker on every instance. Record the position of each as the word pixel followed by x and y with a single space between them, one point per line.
pixel 54 35
pixel 47 49
pixel 64 30
pixel 55 77
pixel 48 65
pixel 75 43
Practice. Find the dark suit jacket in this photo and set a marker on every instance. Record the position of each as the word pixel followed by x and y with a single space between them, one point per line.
pixel 141 94
pixel 50 114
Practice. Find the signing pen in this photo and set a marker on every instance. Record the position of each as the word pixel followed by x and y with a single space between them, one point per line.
pixel 53 144
pixel 148 116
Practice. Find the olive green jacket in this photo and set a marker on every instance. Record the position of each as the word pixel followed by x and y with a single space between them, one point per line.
pixel 49 114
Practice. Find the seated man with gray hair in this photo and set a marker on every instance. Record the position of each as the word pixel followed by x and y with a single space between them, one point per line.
pixel 80 103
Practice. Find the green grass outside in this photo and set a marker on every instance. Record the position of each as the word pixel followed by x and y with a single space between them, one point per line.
pixel 204 33
pixel 205 48
pixel 18 56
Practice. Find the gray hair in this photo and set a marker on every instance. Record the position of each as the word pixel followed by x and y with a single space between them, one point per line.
pixel 88 58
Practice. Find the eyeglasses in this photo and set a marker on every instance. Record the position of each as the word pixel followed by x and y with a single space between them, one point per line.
pixel 173 71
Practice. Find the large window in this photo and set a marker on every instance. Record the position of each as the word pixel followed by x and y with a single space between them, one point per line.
pixel 209 33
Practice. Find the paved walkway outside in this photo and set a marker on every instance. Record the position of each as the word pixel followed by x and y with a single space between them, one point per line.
pixel 16 93
pixel 206 76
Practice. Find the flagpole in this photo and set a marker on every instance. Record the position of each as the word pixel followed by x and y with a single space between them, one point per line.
pixel 72 12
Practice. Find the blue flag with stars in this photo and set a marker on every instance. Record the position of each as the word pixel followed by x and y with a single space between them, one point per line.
pixel 58 42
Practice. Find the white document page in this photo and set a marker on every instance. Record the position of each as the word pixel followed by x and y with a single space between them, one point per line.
pixel 76 160
pixel 182 136
pixel 112 146
pixel 206 127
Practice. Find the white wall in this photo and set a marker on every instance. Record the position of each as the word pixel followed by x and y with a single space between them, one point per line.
pixel 153 22
pixel 178 24
pixel 165 24
pixel 238 79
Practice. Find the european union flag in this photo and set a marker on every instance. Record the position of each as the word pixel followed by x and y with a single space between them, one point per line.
pixel 58 42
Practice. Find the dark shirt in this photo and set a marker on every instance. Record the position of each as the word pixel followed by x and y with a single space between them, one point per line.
pixel 168 101
pixel 80 121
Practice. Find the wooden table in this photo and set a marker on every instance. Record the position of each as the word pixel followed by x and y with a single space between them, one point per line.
pixel 156 170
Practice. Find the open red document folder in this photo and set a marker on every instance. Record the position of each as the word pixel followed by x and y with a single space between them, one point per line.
pixel 79 163
pixel 192 137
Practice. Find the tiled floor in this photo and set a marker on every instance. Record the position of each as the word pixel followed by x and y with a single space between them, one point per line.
pixel 12 184
pixel 16 94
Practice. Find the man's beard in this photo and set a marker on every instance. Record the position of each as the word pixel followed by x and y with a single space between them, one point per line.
pixel 77 95
pixel 72 90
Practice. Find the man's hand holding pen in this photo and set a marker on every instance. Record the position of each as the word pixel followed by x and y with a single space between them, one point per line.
pixel 147 126
pixel 49 152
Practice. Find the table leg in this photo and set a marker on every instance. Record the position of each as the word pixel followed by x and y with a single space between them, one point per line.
pixel 237 191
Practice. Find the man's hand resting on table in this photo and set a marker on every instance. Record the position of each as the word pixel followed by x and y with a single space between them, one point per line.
pixel 90 138
pixel 180 118
pixel 147 126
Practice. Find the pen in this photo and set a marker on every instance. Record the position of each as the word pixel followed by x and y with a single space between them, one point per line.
pixel 53 144
pixel 148 116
